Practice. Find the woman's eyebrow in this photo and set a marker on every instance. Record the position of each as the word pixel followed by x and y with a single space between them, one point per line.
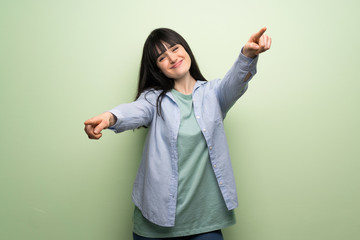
pixel 159 52
pixel 166 48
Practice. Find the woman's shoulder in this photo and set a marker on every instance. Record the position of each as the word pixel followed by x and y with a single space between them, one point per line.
pixel 208 85
pixel 150 95
pixel 150 92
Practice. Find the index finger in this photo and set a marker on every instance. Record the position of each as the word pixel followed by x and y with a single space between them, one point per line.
pixel 92 121
pixel 259 33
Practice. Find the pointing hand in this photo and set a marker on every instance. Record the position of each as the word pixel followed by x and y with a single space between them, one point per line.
pixel 258 43
pixel 95 125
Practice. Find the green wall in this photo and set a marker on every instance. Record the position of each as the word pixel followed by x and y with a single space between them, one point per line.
pixel 294 136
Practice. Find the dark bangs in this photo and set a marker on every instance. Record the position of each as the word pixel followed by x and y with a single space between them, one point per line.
pixel 159 45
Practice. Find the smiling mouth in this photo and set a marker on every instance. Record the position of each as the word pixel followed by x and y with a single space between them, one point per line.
pixel 177 64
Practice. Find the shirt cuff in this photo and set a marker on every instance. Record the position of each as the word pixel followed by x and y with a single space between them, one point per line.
pixel 116 126
pixel 248 64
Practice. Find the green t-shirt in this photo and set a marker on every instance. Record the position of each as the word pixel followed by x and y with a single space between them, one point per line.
pixel 200 206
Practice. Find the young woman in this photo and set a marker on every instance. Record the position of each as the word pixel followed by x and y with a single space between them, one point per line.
pixel 185 187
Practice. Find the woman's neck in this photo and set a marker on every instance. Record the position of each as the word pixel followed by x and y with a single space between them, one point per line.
pixel 185 85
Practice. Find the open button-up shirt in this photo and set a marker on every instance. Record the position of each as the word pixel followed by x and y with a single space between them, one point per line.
pixel 155 187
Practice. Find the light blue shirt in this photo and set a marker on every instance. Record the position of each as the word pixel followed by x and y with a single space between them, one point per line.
pixel 155 187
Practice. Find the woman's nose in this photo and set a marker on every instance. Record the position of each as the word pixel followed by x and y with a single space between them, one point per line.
pixel 172 57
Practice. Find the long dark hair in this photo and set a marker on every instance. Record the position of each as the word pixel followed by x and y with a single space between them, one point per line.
pixel 150 77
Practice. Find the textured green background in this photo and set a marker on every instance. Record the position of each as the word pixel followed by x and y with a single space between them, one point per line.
pixel 294 136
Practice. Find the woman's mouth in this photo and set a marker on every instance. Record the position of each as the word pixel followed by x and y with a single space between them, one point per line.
pixel 177 64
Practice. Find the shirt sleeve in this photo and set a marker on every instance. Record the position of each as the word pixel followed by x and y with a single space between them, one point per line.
pixel 233 85
pixel 135 114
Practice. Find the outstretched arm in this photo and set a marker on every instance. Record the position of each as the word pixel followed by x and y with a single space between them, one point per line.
pixel 124 117
pixel 235 82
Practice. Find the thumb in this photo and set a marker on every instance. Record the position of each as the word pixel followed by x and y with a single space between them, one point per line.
pixel 253 46
pixel 102 125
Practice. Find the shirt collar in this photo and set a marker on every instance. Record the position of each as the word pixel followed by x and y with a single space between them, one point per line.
pixel 196 86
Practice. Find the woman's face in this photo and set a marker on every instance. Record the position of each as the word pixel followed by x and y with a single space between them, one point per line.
pixel 175 62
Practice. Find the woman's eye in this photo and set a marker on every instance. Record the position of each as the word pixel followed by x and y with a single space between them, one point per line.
pixel 161 58
pixel 176 48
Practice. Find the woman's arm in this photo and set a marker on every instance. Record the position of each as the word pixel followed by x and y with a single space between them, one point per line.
pixel 123 117
pixel 235 82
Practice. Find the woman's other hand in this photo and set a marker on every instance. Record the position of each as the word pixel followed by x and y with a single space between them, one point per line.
pixel 258 43
pixel 95 125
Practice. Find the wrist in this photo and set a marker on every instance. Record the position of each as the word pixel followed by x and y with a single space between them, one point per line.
pixel 112 118
pixel 247 53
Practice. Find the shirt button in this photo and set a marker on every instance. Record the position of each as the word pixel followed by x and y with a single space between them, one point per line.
pixel 197 117
pixel 214 165
pixel 204 130
pixel 220 182
pixel 210 147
